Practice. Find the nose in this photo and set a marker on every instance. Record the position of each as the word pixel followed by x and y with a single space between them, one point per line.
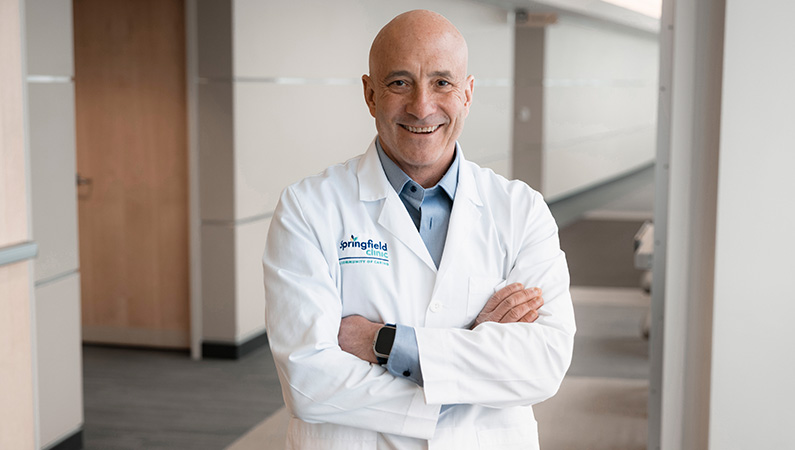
pixel 421 104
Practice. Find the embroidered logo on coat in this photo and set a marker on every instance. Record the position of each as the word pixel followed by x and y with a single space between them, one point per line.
pixel 363 251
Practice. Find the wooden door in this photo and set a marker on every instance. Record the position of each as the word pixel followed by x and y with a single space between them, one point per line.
pixel 130 97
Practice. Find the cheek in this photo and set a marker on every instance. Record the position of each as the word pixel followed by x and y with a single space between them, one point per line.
pixel 456 110
pixel 456 105
pixel 389 104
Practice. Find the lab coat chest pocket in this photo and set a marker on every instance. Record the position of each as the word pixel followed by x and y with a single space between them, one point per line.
pixel 480 291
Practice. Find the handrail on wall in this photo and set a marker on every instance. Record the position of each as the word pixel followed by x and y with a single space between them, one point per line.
pixel 18 252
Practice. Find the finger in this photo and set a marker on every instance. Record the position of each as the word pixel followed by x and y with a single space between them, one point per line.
pixel 516 299
pixel 501 295
pixel 516 314
pixel 508 290
pixel 532 314
pixel 521 307
pixel 530 317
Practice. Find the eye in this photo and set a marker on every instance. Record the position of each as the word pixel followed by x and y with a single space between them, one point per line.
pixel 398 83
pixel 443 83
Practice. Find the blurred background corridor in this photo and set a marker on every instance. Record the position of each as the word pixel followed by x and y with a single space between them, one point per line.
pixel 144 144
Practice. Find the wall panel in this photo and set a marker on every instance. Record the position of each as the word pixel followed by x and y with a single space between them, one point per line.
pixel 284 133
pixel 49 37
pixel 216 150
pixel 487 134
pixel 219 298
pixel 51 115
pixel 53 168
pixel 249 245
pixel 752 337
pixel 59 358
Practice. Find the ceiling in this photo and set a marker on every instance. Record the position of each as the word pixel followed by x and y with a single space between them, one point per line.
pixel 639 14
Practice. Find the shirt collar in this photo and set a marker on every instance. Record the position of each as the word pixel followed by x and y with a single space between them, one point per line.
pixel 398 179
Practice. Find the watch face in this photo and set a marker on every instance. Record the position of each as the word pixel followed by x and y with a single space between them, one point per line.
pixel 383 344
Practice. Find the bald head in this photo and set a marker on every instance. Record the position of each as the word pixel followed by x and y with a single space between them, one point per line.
pixel 414 29
pixel 419 93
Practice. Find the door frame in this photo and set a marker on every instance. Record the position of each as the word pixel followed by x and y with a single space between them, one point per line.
pixel 194 215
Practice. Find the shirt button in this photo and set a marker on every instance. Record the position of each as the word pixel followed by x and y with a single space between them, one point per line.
pixel 436 306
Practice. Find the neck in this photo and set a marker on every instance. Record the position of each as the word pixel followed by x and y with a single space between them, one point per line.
pixel 425 176
pixel 428 175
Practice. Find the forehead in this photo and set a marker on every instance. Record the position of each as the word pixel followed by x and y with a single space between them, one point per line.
pixel 420 53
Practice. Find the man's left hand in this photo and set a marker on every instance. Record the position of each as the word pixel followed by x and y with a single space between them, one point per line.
pixel 356 337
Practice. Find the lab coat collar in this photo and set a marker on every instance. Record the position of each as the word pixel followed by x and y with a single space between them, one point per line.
pixel 374 186
pixel 373 183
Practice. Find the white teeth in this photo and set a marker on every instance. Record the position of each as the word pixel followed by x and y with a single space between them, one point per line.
pixel 421 129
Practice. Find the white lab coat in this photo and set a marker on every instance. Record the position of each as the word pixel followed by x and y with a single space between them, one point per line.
pixel 500 232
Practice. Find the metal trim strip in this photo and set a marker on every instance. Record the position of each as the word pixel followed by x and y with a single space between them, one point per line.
pixel 18 252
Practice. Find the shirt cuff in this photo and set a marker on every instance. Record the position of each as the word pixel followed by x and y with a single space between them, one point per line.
pixel 404 359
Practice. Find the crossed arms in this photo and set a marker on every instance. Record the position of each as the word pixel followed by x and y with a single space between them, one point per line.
pixel 511 304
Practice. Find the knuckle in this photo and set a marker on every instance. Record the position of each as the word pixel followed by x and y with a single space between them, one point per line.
pixel 512 316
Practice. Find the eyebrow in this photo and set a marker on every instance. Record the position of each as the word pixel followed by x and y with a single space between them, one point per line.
pixel 442 73
pixel 406 73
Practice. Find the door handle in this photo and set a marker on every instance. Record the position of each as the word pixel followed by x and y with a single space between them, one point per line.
pixel 83 181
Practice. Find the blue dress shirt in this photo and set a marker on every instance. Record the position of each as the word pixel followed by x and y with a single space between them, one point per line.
pixel 430 210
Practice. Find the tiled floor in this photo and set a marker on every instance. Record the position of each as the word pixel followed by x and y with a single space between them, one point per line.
pixel 145 399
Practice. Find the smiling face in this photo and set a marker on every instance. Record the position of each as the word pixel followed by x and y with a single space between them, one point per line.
pixel 419 93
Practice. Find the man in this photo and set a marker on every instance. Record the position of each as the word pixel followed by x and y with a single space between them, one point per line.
pixel 395 301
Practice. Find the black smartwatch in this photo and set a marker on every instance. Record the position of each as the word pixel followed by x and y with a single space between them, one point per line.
pixel 382 344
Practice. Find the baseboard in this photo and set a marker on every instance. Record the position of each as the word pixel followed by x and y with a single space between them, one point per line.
pixel 225 350
pixel 72 442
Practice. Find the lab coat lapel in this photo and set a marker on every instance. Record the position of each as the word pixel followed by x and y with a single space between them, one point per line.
pixel 374 186
pixel 463 219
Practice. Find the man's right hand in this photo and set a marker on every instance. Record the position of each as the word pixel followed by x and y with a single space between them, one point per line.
pixel 513 303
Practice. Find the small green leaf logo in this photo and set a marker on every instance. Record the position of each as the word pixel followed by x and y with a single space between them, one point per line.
pixel 354 238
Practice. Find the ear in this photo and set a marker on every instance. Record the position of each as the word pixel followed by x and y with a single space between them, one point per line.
pixel 369 93
pixel 468 91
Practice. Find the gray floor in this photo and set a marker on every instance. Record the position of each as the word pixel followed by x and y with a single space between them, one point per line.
pixel 143 399
pixel 609 344
pixel 139 399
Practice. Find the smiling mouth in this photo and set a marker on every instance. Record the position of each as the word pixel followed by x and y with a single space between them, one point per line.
pixel 421 130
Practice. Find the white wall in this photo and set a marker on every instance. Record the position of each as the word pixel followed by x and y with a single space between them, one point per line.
pixel 290 105
pixel 752 353
pixel 284 132
pixel 684 253
pixel 600 103
pixel 54 207
pixel 17 325
pixel 724 220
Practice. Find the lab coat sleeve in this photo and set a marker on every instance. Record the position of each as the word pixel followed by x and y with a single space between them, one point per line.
pixel 502 365
pixel 320 382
